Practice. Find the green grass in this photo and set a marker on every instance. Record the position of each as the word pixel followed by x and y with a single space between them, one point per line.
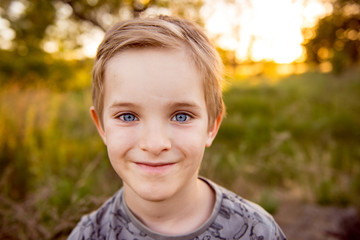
pixel 301 134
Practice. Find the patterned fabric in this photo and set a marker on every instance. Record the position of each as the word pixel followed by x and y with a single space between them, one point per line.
pixel 232 218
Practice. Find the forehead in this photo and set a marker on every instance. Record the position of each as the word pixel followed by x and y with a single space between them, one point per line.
pixel 153 72
pixel 142 53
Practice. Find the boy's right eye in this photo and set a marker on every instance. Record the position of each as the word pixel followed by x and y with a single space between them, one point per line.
pixel 128 117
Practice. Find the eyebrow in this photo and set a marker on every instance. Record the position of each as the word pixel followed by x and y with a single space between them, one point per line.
pixel 122 104
pixel 185 104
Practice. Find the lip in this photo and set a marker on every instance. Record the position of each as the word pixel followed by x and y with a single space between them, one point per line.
pixel 154 168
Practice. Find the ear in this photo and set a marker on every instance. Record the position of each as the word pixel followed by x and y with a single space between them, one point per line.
pixel 96 120
pixel 214 130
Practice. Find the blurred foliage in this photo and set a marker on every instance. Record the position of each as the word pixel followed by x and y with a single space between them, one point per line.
pixel 300 135
pixel 35 22
pixel 41 69
pixel 30 25
pixel 48 153
pixel 337 37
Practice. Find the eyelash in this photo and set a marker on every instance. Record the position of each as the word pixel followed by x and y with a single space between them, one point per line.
pixel 125 117
pixel 188 117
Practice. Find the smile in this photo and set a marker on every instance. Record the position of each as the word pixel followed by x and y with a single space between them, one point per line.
pixel 155 168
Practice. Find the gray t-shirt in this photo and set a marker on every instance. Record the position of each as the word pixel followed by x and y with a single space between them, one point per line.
pixel 232 218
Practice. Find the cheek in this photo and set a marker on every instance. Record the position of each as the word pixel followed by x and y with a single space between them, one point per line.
pixel 118 142
pixel 191 142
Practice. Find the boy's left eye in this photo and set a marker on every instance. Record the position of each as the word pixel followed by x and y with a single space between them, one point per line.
pixel 128 117
pixel 181 117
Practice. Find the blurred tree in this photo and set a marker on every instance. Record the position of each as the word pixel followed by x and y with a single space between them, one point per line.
pixel 337 37
pixel 35 22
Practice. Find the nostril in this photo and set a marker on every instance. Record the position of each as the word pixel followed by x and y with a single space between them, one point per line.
pixel 155 144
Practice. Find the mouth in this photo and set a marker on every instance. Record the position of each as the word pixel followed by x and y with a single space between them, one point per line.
pixel 154 168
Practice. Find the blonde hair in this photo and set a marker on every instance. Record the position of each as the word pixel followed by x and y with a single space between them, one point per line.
pixel 162 32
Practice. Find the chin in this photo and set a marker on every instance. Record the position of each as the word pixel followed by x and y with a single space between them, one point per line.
pixel 156 195
pixel 157 198
pixel 153 193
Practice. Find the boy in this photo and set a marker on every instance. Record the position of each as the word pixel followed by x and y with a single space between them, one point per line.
pixel 157 105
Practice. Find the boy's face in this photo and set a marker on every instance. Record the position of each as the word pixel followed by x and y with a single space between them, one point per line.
pixel 155 121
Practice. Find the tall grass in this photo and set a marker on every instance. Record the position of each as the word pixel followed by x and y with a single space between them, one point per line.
pixel 301 135
pixel 51 162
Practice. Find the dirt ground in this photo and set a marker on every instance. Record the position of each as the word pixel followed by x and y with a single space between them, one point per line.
pixel 306 221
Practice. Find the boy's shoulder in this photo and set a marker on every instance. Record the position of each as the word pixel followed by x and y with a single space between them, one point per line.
pixel 243 219
pixel 232 218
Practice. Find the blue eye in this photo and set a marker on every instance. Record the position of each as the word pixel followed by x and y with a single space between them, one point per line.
pixel 181 117
pixel 128 117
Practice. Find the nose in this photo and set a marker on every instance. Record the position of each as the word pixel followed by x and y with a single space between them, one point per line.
pixel 155 139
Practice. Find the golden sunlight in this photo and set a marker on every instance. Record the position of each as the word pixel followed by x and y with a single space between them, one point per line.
pixel 262 30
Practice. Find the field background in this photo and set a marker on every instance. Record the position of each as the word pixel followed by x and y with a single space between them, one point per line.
pixel 284 139
pixel 290 140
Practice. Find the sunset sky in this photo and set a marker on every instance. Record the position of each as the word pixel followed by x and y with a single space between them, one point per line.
pixel 267 30
pixel 256 29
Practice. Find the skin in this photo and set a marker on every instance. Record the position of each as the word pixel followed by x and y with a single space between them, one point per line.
pixel 155 127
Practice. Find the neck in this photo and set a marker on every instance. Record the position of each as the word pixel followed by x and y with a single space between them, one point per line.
pixel 182 213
